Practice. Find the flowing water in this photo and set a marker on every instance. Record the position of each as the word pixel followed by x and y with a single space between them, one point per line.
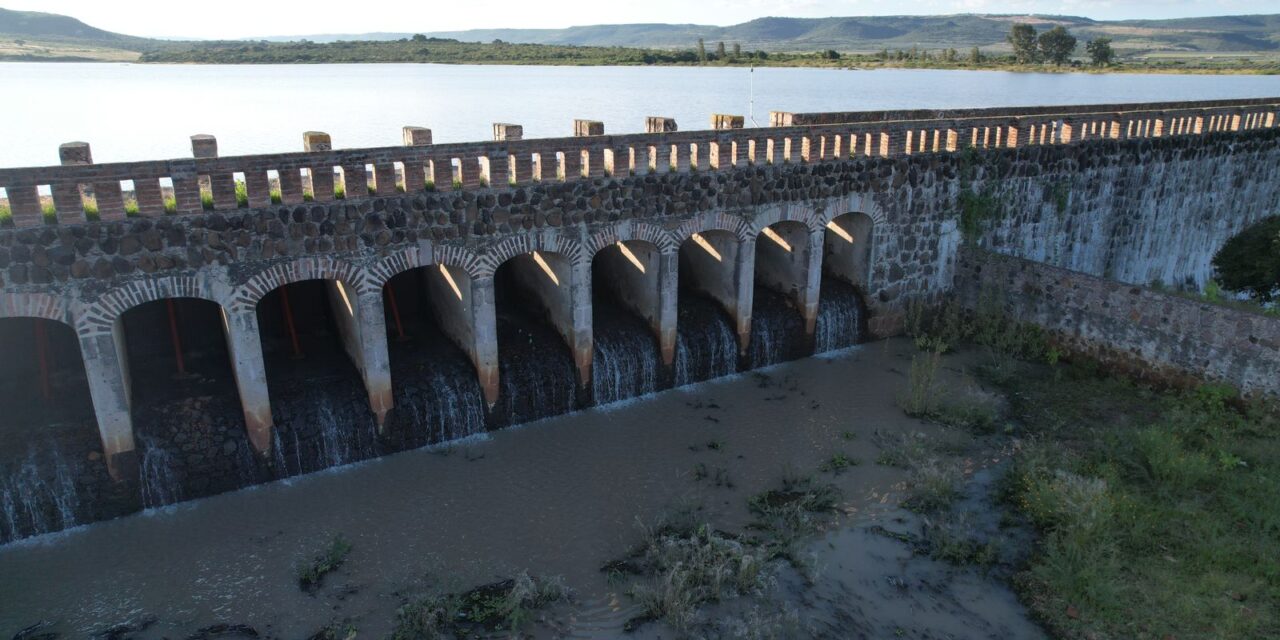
pixel 777 330
pixel 158 476
pixel 841 318
pixel 626 363
pixel 38 494
pixel 706 346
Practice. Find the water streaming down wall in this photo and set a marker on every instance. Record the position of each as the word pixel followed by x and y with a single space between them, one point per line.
pixel 437 393
pixel 323 425
pixel 626 363
pixel 777 330
pixel 841 318
pixel 38 495
pixel 158 476
pixel 537 375
pixel 706 346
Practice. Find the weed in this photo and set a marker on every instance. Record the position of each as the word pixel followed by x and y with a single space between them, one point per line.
pixel 508 605
pixel 310 575
pixel 919 400
pixel 6 215
pixel 902 450
pixel 430 185
pixel 838 463
pixel 932 487
pixel 457 184
pixel 170 204
pixel 951 540
pixel 339 192
pixel 276 196
pixel 206 200
pixel 848 435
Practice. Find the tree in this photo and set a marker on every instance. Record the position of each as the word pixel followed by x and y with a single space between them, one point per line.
pixel 702 51
pixel 1250 261
pixel 1057 45
pixel 720 51
pixel 737 50
pixel 418 37
pixel 1023 39
pixel 831 54
pixel 975 55
pixel 1100 52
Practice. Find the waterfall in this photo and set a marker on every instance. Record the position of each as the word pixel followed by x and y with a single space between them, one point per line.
pixel 706 346
pixel 323 426
pixel 39 496
pixel 840 317
pixel 777 332
pixel 158 477
pixel 441 403
pixel 537 374
pixel 625 363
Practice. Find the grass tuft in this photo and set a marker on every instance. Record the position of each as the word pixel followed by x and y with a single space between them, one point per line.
pixel 311 574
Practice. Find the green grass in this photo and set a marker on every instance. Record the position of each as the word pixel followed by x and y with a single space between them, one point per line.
pixel 206 200
pixel 325 562
pixel 1159 512
pixel 839 463
pixel 170 204
pixel 242 194
pixel 6 215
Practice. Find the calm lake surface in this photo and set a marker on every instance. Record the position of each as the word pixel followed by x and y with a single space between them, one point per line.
pixel 141 112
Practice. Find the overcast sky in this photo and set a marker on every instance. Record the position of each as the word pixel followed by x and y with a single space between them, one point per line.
pixel 252 18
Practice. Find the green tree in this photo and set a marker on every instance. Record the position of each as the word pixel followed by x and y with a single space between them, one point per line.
pixel 1057 45
pixel 1023 39
pixel 831 54
pixel 1100 52
pixel 737 51
pixel 975 55
pixel 1250 261
pixel 702 51
pixel 720 51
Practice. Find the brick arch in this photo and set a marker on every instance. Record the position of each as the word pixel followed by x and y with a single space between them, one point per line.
pixel 247 295
pixel 504 250
pixel 631 231
pixel 801 212
pixel 100 316
pixel 715 221
pixel 853 203
pixel 384 269
pixel 36 305
pixel 461 257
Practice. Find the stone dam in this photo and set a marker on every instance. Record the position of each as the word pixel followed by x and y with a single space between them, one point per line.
pixel 176 329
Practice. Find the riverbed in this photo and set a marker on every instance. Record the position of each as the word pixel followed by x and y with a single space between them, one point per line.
pixel 558 497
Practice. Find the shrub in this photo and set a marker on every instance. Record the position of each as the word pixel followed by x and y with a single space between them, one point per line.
pixel 310 575
pixel 1249 262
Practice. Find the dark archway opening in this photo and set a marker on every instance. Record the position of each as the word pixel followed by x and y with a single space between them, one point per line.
pixel 318 398
pixel 846 272
pixel 777 324
pixel 437 391
pixel 536 368
pixel 50 449
pixel 625 308
pixel 186 409
pixel 706 340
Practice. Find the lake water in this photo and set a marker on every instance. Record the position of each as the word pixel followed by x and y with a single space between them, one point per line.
pixel 142 112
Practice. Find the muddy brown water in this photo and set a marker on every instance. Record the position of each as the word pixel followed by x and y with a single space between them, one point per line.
pixel 557 497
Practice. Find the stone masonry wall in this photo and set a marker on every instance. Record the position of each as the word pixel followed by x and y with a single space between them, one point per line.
pixel 1139 211
pixel 1156 335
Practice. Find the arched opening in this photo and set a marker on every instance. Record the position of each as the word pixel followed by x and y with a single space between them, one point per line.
pixel 706 340
pixel 625 320
pixel 846 276
pixel 534 306
pixel 781 291
pixel 50 450
pixel 431 343
pixel 184 402
pixel 321 411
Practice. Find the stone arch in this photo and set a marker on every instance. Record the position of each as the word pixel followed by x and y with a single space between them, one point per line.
pixel 36 305
pixel 100 317
pixel 457 256
pixel 627 231
pixel 712 221
pixel 312 268
pixel 498 253
pixel 384 269
pixel 801 212
pixel 853 203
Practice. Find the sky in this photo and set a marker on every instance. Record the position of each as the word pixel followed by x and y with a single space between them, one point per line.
pixel 256 18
